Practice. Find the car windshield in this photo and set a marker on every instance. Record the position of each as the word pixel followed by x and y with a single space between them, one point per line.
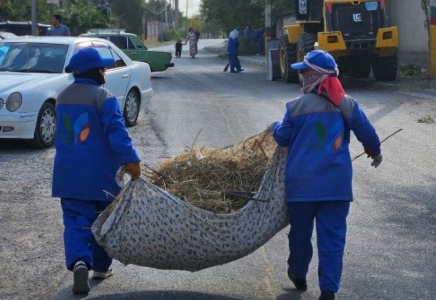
pixel 32 57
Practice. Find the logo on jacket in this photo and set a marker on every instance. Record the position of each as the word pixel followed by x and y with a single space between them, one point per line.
pixel 330 139
pixel 78 131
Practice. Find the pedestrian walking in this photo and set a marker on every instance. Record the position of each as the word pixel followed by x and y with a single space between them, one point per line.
pixel 178 47
pixel 192 38
pixel 197 34
pixel 91 143
pixel 318 173
pixel 233 52
pixel 57 28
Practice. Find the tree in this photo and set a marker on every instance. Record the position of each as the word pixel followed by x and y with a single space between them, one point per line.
pixel 228 14
pixel 80 18
pixel 129 16
pixel 20 10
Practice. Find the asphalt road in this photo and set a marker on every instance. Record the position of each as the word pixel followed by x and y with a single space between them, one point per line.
pixel 391 244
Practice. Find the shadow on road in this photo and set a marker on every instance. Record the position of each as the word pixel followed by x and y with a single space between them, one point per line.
pixel 149 295
pixel 19 146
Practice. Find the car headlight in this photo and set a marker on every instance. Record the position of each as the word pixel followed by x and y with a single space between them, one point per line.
pixel 14 102
pixel 1 103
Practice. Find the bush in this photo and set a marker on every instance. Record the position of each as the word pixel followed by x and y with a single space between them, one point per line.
pixel 172 34
pixel 247 47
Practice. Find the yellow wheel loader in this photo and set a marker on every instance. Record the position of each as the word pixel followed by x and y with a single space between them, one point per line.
pixel 354 32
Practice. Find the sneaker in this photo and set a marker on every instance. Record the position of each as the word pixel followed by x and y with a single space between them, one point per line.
pixel 102 275
pixel 327 296
pixel 81 284
pixel 300 284
pixel 241 70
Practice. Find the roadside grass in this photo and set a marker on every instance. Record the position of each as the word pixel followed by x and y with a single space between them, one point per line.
pixel 426 120
pixel 416 77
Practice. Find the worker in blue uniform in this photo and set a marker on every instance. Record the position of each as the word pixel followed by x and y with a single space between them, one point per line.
pixel 233 52
pixel 316 129
pixel 92 143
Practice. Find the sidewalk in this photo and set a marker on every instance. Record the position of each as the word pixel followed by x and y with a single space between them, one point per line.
pixel 259 60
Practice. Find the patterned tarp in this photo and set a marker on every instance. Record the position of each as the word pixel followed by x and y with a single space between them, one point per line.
pixel 147 226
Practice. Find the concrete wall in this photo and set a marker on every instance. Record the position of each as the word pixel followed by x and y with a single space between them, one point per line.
pixel 413 36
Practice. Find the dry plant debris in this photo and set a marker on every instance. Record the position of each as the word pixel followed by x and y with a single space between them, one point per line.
pixel 210 178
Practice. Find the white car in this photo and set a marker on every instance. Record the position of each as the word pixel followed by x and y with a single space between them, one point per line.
pixel 6 35
pixel 32 74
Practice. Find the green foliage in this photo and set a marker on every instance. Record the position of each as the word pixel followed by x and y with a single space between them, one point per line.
pixel 247 47
pixel 409 70
pixel 21 10
pixel 426 120
pixel 79 18
pixel 212 28
pixel 171 35
pixel 228 14
pixel 129 16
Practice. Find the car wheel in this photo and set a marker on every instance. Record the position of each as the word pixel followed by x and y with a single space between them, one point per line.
pixel 45 127
pixel 131 108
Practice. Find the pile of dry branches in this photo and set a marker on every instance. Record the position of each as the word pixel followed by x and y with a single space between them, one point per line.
pixel 218 180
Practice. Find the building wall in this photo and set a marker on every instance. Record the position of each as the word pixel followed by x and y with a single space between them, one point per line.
pixel 413 36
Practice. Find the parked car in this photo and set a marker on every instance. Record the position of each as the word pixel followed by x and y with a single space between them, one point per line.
pixel 6 35
pixel 135 49
pixel 32 74
pixel 23 27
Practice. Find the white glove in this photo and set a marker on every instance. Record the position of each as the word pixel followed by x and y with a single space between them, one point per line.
pixel 376 160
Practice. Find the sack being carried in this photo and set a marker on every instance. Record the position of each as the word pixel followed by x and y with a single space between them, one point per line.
pixel 147 225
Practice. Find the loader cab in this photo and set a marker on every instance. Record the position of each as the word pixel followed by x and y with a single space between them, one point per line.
pixel 309 10
pixel 357 21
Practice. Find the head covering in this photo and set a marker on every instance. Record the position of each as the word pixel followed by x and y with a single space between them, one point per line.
pixel 86 59
pixel 322 71
pixel 234 34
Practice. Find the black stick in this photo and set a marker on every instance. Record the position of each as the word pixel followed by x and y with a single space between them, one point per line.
pixel 356 157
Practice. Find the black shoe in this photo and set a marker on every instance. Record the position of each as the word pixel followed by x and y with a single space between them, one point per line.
pixel 300 284
pixel 241 70
pixel 81 284
pixel 327 296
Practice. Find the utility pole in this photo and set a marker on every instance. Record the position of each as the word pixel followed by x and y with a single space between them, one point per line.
pixel 187 1
pixel 166 12
pixel 433 38
pixel 268 29
pixel 34 17
pixel 162 25
pixel 176 8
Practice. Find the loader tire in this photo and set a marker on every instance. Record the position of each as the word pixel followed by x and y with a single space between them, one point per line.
pixel 385 68
pixel 288 56
pixel 361 68
pixel 306 44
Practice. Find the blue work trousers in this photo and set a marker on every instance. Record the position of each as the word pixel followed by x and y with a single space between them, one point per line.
pixel 235 64
pixel 331 229
pixel 79 242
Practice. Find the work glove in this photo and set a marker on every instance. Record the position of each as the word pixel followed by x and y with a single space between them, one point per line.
pixel 376 160
pixel 134 169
